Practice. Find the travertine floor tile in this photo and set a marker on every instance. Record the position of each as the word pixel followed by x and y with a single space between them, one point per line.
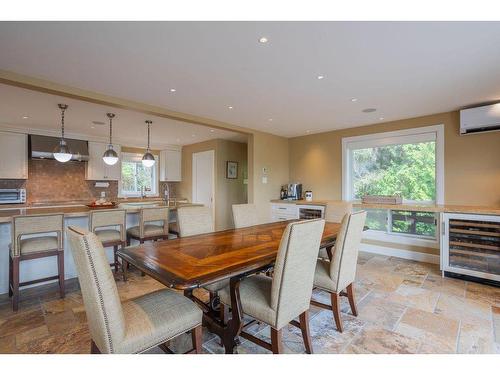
pixel 445 285
pixel 376 309
pixel 381 341
pixel 484 293
pixel 412 296
pixel 437 334
pixel 466 310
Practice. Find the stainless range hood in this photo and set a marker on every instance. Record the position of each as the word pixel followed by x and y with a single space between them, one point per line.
pixel 42 147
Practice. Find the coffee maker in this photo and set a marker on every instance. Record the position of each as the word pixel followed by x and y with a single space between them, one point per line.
pixel 294 191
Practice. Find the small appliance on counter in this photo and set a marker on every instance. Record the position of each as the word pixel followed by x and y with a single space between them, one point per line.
pixel 309 195
pixel 284 192
pixel 11 196
pixel 294 192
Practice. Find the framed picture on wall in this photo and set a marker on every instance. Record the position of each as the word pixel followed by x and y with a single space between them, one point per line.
pixel 232 169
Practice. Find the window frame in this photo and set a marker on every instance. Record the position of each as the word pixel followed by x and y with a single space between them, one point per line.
pixel 135 157
pixel 414 135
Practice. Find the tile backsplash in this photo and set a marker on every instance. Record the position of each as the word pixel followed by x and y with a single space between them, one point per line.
pixel 52 181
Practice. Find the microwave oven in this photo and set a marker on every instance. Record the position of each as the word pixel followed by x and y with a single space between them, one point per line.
pixel 10 196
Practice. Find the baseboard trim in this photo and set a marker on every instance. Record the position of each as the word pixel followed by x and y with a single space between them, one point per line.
pixel 400 253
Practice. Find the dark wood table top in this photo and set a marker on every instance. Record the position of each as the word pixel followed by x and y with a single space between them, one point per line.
pixel 189 262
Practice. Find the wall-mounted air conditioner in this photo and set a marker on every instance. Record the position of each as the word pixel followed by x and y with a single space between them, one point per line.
pixel 480 119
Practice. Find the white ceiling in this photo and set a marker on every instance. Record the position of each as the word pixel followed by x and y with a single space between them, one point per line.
pixel 403 69
pixel 129 127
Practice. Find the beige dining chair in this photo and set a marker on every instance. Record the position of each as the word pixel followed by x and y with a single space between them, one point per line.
pixel 33 237
pixel 277 301
pixel 110 227
pixel 334 213
pixel 245 215
pixel 196 220
pixel 339 274
pixel 136 325
pixel 148 228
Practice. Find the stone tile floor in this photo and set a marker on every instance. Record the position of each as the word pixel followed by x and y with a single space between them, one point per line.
pixel 404 307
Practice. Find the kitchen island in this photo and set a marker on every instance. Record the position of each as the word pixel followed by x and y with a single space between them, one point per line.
pixel 74 215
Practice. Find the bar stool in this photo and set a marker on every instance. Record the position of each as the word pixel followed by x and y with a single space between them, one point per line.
pixel 147 230
pixel 33 237
pixel 104 225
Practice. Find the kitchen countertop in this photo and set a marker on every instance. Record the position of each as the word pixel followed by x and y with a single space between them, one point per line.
pixel 485 210
pixel 78 210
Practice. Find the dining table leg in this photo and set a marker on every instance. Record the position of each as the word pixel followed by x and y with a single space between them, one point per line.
pixel 235 324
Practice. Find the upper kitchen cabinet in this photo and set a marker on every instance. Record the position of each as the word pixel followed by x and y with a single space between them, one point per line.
pixel 97 169
pixel 14 156
pixel 170 165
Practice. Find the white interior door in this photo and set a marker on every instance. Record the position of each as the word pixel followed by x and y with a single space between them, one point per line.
pixel 203 178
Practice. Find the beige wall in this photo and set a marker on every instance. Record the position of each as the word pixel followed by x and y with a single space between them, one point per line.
pixel 227 191
pixel 472 163
pixel 271 152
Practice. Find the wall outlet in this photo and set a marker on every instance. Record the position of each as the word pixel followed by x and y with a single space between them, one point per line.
pixel 103 194
pixel 264 179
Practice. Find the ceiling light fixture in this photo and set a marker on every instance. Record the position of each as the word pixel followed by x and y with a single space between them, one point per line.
pixel 173 90
pixel 263 40
pixel 369 110
pixel 321 77
pixel 382 118
pixel 110 156
pixel 148 160
pixel 354 100
pixel 25 117
pixel 270 120
pixel 62 152
pixel 230 107
pixel 212 130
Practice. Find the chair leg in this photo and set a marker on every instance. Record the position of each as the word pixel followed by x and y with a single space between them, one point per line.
pixel 306 334
pixel 124 269
pixel 336 310
pixel 10 276
pixel 60 269
pixel 93 348
pixel 352 301
pixel 15 283
pixel 196 338
pixel 276 343
pixel 115 249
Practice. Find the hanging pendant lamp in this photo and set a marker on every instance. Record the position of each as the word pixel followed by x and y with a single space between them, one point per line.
pixel 110 156
pixel 62 152
pixel 148 160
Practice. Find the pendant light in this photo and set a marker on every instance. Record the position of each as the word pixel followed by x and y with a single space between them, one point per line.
pixel 62 152
pixel 148 160
pixel 110 156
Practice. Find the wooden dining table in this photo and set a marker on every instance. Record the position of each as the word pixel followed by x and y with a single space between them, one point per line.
pixel 192 262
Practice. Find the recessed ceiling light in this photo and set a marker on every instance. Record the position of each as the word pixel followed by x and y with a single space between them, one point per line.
pixel 270 120
pixel 369 110
pixel 192 135
pixel 381 118
pixel 308 131
pixel 354 100
pixel 321 77
pixel 263 39
pixel 92 127
pixel 212 130
pixel 173 90
pixel 230 107
pixel 25 117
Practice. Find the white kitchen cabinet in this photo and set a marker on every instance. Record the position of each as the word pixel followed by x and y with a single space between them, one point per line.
pixel 97 169
pixel 13 156
pixel 170 165
pixel 284 211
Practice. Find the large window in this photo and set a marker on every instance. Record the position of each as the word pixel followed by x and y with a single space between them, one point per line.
pixel 137 178
pixel 406 163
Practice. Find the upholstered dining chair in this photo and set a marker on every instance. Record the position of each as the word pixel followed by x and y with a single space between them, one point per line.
pixel 245 215
pixel 148 228
pixel 277 301
pixel 136 325
pixel 35 236
pixel 338 275
pixel 110 227
pixel 334 213
pixel 195 220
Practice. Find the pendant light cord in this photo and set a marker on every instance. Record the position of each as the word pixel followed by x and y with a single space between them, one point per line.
pixel 62 122
pixel 110 131
pixel 149 124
